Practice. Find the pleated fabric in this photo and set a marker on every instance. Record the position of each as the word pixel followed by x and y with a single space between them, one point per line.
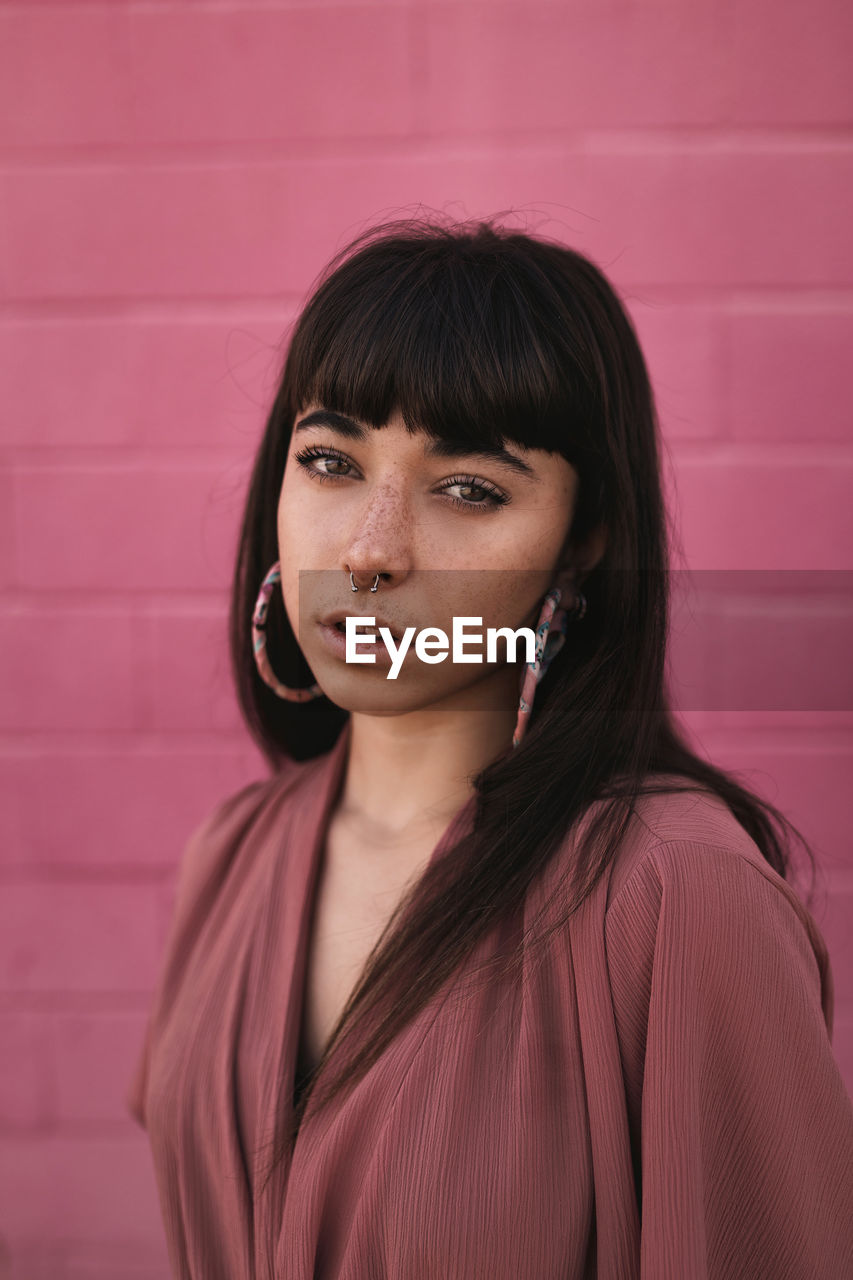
pixel 654 1098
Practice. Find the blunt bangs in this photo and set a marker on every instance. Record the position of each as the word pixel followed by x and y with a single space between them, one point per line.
pixel 468 339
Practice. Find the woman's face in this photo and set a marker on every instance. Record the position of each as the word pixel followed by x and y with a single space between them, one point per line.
pixel 462 535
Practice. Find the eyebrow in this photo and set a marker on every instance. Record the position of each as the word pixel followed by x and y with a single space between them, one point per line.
pixel 440 448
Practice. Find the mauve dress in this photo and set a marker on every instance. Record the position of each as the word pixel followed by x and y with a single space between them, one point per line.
pixel 657 1097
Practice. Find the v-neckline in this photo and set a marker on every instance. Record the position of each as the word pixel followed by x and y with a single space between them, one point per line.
pixel 306 839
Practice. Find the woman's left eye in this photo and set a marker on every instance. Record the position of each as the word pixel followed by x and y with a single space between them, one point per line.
pixel 494 498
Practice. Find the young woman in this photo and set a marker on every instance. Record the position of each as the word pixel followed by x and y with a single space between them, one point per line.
pixel 477 984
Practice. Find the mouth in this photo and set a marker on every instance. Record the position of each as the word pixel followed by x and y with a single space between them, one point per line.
pixel 337 622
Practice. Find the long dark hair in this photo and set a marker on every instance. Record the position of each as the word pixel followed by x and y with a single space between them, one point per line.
pixel 492 335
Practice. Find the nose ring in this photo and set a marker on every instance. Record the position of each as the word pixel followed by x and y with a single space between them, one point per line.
pixel 375 586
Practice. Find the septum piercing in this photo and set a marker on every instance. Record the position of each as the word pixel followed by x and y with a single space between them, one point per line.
pixel 375 586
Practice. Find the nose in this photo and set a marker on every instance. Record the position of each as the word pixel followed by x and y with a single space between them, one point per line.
pixel 382 537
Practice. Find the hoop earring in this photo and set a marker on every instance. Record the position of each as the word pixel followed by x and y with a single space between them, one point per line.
pixel 550 637
pixel 259 644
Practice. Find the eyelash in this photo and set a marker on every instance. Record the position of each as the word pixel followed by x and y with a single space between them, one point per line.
pixel 496 498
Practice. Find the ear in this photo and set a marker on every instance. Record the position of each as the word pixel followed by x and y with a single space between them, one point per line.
pixel 580 558
pixel 591 550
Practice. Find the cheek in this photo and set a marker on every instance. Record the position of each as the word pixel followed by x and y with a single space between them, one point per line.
pixel 508 598
pixel 286 512
pixel 294 524
pixel 529 539
pixel 529 567
pixel 285 538
pixel 290 554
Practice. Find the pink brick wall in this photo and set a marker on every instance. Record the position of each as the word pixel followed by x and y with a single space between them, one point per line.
pixel 173 177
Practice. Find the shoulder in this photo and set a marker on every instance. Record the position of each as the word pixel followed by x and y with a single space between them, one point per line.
pixel 691 887
pixel 680 816
pixel 217 840
pixel 217 860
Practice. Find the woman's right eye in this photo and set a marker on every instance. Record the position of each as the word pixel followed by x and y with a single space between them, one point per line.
pixel 316 451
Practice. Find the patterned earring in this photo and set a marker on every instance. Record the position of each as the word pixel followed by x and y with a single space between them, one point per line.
pixel 259 644
pixel 550 637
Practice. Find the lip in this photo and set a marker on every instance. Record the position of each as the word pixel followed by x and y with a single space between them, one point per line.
pixel 340 615
pixel 336 642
